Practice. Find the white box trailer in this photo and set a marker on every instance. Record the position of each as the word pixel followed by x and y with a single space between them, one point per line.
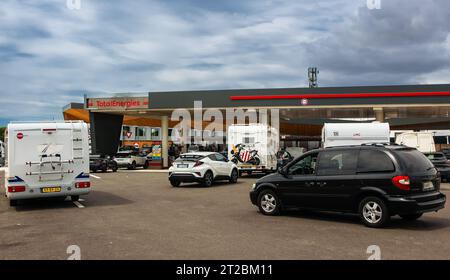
pixel 348 134
pixel 48 159
pixel 422 141
pixel 253 147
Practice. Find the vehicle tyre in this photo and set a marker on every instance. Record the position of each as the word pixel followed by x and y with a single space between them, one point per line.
pixel 133 166
pixel 268 203
pixel 75 198
pixel 249 173
pixel 411 217
pixel 175 183
pixel 146 164
pixel 13 203
pixel 94 170
pixel 208 179
pixel 374 212
pixel 234 176
pixel 114 168
pixel 105 169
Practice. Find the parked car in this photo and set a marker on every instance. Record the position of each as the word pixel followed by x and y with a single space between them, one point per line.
pixel 375 181
pixel 102 163
pixel 202 167
pixel 446 153
pixel 131 160
pixel 441 163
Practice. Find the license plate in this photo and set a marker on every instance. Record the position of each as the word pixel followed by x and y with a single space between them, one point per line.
pixel 182 166
pixel 51 190
pixel 428 186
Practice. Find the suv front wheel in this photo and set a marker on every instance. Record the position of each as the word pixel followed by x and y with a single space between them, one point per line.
pixel 268 203
pixel 374 212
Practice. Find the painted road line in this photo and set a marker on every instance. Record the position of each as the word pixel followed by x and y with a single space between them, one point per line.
pixel 78 204
pixel 93 176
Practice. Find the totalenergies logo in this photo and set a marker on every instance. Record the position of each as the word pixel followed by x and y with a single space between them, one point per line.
pixel 118 103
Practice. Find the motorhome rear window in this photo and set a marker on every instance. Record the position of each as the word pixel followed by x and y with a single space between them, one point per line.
pixel 190 158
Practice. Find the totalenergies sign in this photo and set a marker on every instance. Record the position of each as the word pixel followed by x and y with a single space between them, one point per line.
pixel 117 103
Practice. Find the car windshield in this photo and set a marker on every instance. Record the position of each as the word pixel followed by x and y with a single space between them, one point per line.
pixel 189 157
pixel 415 161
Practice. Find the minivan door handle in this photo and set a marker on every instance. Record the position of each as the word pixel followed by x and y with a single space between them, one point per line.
pixel 321 184
pixel 309 184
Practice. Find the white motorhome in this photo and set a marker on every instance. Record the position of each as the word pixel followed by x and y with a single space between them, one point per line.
pixel 351 134
pixel 48 159
pixel 422 141
pixel 253 147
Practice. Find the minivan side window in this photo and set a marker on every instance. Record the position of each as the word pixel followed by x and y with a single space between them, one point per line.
pixel 304 166
pixel 374 161
pixel 339 162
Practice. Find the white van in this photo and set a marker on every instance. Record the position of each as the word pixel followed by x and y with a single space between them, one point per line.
pixel 353 134
pixel 422 141
pixel 48 159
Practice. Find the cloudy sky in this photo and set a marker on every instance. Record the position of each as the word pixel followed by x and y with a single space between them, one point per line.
pixel 52 53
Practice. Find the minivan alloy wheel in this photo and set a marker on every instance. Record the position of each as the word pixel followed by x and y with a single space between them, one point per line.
pixel 372 212
pixel 268 203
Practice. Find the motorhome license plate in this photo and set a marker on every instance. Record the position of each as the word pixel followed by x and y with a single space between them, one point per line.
pixel 51 189
pixel 428 186
pixel 182 166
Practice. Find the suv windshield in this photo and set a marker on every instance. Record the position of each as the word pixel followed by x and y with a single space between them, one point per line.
pixel 414 161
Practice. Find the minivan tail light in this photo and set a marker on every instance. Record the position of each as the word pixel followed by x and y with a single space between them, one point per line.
pixel 402 182
pixel 198 163
pixel 16 189
pixel 83 185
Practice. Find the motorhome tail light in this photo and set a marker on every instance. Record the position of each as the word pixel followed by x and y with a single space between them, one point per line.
pixel 402 182
pixel 83 185
pixel 198 163
pixel 16 189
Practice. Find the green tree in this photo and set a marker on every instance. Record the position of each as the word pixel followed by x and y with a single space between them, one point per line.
pixel 2 133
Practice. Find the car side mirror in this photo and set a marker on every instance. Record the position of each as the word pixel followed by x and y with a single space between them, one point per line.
pixel 282 171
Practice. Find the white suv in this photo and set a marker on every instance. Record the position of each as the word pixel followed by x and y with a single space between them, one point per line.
pixel 131 160
pixel 202 167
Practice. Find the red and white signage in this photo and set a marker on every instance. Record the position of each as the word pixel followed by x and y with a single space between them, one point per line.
pixel 245 156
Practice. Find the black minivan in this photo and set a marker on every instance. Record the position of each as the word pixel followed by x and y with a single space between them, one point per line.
pixel 376 181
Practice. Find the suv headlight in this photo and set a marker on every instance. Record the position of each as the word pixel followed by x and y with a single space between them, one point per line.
pixel 254 186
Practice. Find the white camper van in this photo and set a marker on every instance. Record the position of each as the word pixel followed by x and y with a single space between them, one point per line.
pixel 352 134
pixel 253 147
pixel 49 159
pixel 422 141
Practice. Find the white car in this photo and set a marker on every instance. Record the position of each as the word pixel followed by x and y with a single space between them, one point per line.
pixel 202 167
pixel 130 160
